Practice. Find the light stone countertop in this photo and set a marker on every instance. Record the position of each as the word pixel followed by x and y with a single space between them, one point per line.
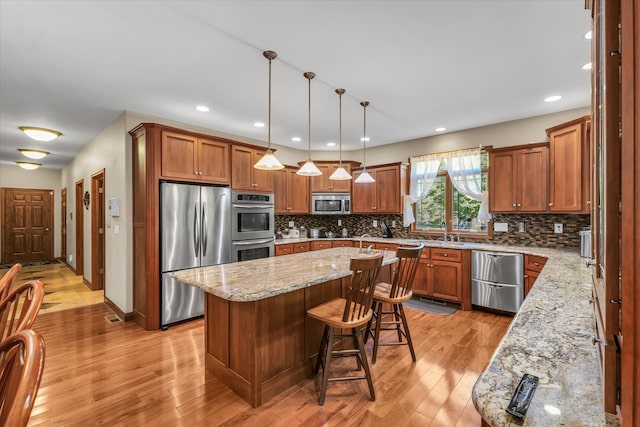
pixel 549 337
pixel 263 278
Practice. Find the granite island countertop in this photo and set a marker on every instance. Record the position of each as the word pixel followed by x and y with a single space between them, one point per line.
pixel 263 278
pixel 549 337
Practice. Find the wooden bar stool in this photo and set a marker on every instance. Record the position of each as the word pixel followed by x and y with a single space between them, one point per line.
pixel 7 280
pixel 19 309
pixel 394 294
pixel 352 312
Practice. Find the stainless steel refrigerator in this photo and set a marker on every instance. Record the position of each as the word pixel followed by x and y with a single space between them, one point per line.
pixel 195 231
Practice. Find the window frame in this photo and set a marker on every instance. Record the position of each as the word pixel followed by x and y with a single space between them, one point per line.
pixel 448 200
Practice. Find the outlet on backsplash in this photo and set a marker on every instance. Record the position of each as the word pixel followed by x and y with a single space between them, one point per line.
pixel 375 223
pixel 557 228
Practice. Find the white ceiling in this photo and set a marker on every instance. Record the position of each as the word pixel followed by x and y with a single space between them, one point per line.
pixel 74 66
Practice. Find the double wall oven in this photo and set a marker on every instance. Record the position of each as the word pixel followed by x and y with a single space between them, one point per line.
pixel 252 226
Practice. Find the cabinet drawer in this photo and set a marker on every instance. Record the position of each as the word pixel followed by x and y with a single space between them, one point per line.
pixel 454 255
pixel 284 249
pixel 534 262
pixel 300 247
pixel 342 244
pixel 317 245
pixel 386 246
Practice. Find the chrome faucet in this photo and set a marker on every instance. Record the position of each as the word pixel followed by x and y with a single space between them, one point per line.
pixel 361 237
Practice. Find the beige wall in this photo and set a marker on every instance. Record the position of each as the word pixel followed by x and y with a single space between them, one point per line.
pixel 42 179
pixel 107 151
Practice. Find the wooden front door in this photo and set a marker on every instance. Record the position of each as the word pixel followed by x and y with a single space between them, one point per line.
pixel 63 224
pixel 79 228
pixel 27 234
pixel 97 230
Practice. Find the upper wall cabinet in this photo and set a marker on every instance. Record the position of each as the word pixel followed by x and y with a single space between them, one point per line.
pixel 291 192
pixel 191 158
pixel 518 178
pixel 569 166
pixel 322 183
pixel 385 194
pixel 244 176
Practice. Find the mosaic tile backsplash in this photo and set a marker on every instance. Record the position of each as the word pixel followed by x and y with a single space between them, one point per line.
pixel 538 229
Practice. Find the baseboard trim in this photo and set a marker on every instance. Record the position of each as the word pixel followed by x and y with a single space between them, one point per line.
pixel 121 314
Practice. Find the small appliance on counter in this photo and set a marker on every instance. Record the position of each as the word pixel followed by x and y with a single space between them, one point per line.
pixel 294 233
pixel 385 231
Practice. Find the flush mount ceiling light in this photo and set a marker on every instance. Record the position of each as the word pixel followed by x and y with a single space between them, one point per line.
pixel 33 154
pixel 296 139
pixel 40 134
pixel 29 165
pixel 440 129
pixel 309 169
pixel 259 124
pixel 588 35
pixel 587 66
pixel 202 108
pixel 341 173
pixel 269 161
pixel 364 177
pixel 553 98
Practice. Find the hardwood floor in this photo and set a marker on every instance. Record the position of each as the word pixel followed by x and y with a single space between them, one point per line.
pixel 99 372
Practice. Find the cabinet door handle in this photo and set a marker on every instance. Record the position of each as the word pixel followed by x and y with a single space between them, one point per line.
pixel 514 205
pixel 519 204
pixel 550 204
pixel 446 254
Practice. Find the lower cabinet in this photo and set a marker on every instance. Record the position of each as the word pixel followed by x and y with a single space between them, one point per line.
pixel 342 244
pixel 316 245
pixel 292 248
pixel 532 267
pixel 443 273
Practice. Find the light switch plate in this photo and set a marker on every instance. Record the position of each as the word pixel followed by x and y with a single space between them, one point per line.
pixel 557 228
pixel 393 223
pixel 292 224
pixel 500 226
pixel 339 222
pixel 116 229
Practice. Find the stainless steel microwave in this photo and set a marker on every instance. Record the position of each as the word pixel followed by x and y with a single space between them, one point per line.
pixel 330 203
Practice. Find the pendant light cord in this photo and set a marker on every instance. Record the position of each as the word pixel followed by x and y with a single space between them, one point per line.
pixel 364 138
pixel 309 121
pixel 340 92
pixel 269 118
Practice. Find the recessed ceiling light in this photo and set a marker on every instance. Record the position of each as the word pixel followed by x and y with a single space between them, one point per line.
pixel 296 139
pixel 553 98
pixel 331 144
pixel 40 134
pixel 587 66
pixel 440 129
pixel 365 139
pixel 588 35
pixel 29 165
pixel 33 154
pixel 259 124
pixel 202 108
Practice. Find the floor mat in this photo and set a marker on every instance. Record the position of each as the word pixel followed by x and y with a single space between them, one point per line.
pixel 432 307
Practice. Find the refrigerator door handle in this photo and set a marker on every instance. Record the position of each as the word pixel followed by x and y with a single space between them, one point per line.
pixel 204 230
pixel 196 237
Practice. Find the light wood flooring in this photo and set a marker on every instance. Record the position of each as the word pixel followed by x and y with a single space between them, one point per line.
pixel 118 374
pixel 64 289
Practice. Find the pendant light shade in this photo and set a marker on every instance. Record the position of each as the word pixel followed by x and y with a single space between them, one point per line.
pixel 269 161
pixel 309 169
pixel 364 177
pixel 341 173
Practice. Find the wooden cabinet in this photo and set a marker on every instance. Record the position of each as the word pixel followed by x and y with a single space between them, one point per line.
pixel 291 192
pixel 316 245
pixel 518 178
pixel 569 166
pixel 165 153
pixel 243 175
pixel 342 244
pixel 285 249
pixel 386 246
pixel 189 157
pixel 322 183
pixel 385 194
pixel 301 247
pixel 444 273
pixel 532 267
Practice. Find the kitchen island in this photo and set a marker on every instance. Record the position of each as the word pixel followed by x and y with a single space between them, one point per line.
pixel 259 340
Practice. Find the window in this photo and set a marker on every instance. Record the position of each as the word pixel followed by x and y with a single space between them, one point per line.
pixel 445 206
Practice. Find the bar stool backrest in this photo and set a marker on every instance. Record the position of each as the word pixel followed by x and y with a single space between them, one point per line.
pixel 7 280
pixel 360 291
pixel 405 270
pixel 20 308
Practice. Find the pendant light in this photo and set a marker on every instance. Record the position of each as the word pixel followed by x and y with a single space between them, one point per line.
pixel 364 177
pixel 341 173
pixel 309 169
pixel 269 161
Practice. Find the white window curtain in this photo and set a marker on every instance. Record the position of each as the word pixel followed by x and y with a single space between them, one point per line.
pixel 423 171
pixel 465 171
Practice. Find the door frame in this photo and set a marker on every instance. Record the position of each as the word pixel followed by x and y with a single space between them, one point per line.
pixel 98 230
pixel 63 224
pixel 79 206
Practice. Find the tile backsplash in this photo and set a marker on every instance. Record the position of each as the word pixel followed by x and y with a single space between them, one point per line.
pixel 538 228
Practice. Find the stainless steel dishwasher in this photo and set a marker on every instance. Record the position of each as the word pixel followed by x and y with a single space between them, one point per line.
pixel 497 280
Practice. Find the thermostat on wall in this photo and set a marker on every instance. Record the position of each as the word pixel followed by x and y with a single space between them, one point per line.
pixel 113 206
